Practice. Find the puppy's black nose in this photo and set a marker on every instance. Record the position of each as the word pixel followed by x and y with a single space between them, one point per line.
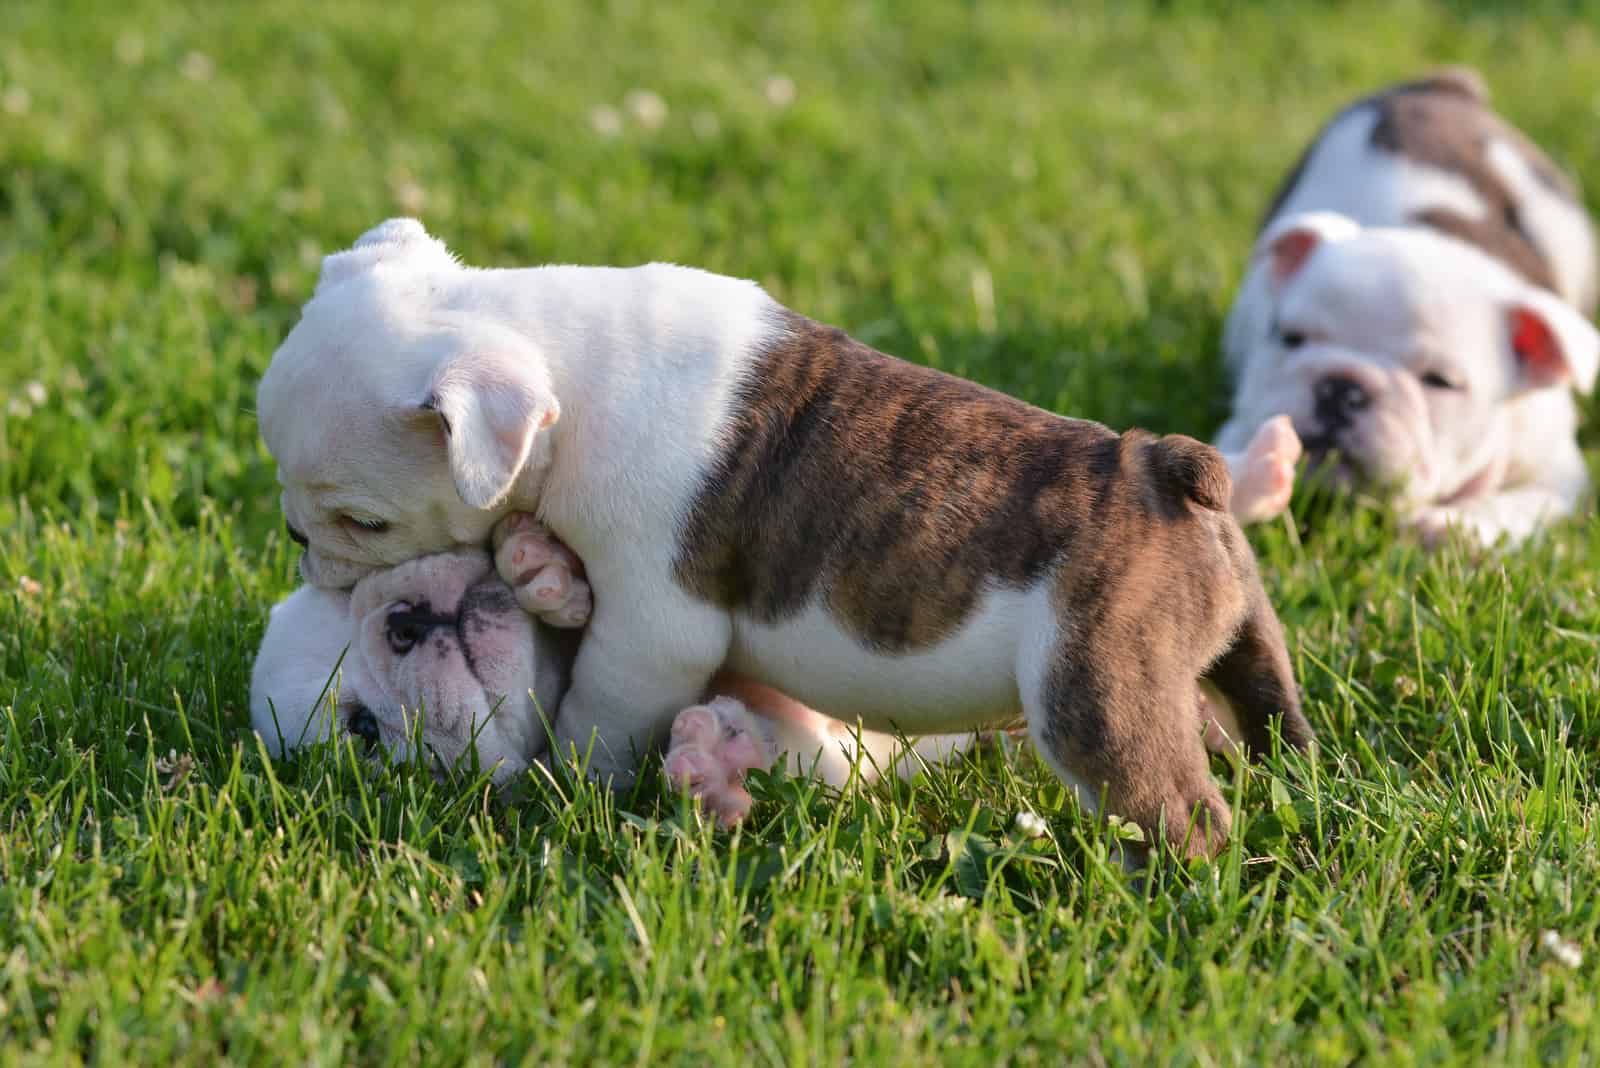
pixel 297 537
pixel 362 724
pixel 1338 398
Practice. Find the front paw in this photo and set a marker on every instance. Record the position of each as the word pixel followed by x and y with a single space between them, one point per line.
pixel 546 576
pixel 713 746
pixel 1437 525
pixel 1264 480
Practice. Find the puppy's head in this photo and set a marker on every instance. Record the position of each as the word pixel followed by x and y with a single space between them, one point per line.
pixel 435 649
pixel 1396 350
pixel 401 409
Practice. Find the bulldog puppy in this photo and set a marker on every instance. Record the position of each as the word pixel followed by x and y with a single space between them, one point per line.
pixel 1416 306
pixel 438 650
pixel 751 489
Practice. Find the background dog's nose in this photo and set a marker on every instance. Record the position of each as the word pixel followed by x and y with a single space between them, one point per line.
pixel 297 537
pixel 1337 398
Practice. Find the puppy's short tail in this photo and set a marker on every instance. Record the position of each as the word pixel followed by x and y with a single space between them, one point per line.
pixel 1192 470
pixel 1463 81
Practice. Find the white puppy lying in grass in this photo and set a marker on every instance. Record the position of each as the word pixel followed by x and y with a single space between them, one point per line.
pixel 1416 307
pixel 440 650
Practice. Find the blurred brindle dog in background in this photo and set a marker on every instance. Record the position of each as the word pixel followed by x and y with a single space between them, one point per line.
pixel 1416 306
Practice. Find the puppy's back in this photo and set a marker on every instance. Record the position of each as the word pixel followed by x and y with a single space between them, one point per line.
pixel 900 494
pixel 1467 173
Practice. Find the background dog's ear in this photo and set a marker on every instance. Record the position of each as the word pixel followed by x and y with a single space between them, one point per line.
pixel 1551 343
pixel 390 240
pixel 1288 243
pixel 491 408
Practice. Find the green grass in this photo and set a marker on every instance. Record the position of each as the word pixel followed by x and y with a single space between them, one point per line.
pixel 169 176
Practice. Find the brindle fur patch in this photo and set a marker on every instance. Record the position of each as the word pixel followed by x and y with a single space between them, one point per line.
pixel 893 491
pixel 1434 122
pixel 896 495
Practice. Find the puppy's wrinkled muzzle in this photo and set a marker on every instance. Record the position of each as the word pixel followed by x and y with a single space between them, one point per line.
pixel 453 655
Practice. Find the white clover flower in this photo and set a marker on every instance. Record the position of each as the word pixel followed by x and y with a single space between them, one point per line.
pixel 780 91
pixel 1561 950
pixel 647 108
pixel 197 67
pixel 1030 824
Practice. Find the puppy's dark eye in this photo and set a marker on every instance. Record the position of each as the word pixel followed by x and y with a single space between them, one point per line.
pixel 362 724
pixel 1435 380
pixel 404 628
pixel 1292 339
pixel 371 526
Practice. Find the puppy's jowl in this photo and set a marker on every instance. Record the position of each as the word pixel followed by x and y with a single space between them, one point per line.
pixel 751 489
pixel 1415 305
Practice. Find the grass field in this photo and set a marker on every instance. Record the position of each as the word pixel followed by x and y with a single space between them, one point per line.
pixel 1055 202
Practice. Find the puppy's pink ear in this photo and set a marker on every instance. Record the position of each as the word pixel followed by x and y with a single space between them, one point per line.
pixel 390 240
pixel 1287 244
pixel 1551 343
pixel 491 407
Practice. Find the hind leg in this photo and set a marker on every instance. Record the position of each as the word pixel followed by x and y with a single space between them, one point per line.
pixel 1254 682
pixel 748 725
pixel 1128 730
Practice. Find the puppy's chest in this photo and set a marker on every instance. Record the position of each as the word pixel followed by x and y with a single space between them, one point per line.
pixel 888 495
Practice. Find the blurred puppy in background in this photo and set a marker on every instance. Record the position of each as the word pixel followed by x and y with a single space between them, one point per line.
pixel 1416 308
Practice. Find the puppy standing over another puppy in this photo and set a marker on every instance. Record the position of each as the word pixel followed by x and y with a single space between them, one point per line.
pixel 1416 306
pixel 750 489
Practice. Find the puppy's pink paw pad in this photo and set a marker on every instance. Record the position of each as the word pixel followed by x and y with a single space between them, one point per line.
pixel 545 575
pixel 713 746
pixel 1266 480
pixel 696 726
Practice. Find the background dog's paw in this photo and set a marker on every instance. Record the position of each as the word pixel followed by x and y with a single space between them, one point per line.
pixel 1437 525
pixel 1264 480
pixel 713 746
pixel 546 576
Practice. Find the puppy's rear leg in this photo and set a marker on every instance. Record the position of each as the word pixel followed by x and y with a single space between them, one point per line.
pixel 1254 678
pixel 1135 739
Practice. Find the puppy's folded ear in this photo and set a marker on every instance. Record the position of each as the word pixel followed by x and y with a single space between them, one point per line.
pixel 389 241
pixel 1551 343
pixel 1287 244
pixel 491 406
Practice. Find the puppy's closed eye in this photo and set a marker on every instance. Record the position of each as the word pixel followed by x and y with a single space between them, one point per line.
pixel 1435 380
pixel 371 526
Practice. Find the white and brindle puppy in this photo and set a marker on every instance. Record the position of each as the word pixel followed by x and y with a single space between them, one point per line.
pixel 1416 306
pixel 750 489
pixel 439 651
